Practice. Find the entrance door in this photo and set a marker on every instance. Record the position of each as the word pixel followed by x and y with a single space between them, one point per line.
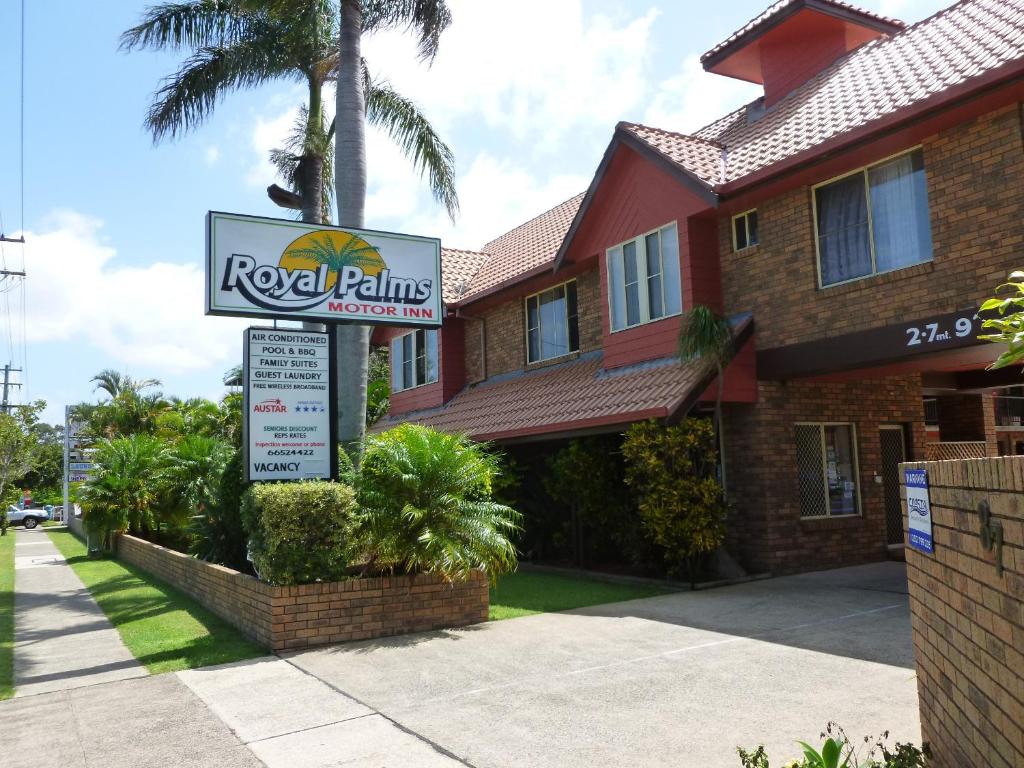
pixel 893 452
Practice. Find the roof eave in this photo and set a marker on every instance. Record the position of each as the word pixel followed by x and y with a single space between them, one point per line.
pixel 714 57
pixel 976 87
pixel 623 137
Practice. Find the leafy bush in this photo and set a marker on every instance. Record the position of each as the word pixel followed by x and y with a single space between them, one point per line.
pixel 218 535
pixel 838 751
pixel 298 532
pixel 672 469
pixel 4 523
pixel 1006 320
pixel 124 487
pixel 427 505
pixel 586 477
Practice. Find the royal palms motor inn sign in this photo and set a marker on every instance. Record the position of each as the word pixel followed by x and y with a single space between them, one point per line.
pixel 260 267
pixel 292 270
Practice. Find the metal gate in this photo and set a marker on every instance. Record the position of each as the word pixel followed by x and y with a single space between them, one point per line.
pixel 893 452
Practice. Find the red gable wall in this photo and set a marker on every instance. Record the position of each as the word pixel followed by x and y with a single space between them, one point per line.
pixel 634 197
pixel 451 375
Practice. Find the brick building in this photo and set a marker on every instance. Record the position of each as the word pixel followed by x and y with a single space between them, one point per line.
pixel 848 222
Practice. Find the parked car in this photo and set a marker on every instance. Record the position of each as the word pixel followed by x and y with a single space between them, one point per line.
pixel 30 517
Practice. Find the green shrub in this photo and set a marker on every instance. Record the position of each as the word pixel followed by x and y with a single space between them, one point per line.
pixel 217 534
pixel 124 487
pixel 426 500
pixel 4 523
pixel 672 469
pixel 299 532
pixel 839 751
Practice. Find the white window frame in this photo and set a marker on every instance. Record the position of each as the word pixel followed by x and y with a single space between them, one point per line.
pixel 568 336
pixel 824 468
pixel 640 242
pixel 437 363
pixel 863 172
pixel 746 226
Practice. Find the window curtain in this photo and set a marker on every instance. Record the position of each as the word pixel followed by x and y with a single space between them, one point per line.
pixel 431 356
pixel 899 213
pixel 616 289
pixel 843 243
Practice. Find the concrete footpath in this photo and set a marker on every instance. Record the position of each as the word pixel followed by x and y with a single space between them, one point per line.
pixel 62 639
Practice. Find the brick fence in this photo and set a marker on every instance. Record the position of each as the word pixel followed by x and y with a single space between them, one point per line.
pixel 285 618
pixel 968 620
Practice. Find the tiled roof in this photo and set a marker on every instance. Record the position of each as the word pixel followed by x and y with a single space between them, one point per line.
pixel 701 157
pixel 781 6
pixel 458 268
pixel 567 396
pixel 527 246
pixel 881 77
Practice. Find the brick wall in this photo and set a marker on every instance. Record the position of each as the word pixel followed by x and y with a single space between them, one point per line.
pixel 766 530
pixel 238 598
pixel 285 618
pixel 968 621
pixel 505 331
pixel 975 175
pixel 968 417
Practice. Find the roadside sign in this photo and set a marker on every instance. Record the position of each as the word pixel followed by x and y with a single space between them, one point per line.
pixel 289 424
pixel 919 510
pixel 258 266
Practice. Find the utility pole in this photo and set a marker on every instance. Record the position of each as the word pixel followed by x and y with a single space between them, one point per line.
pixel 6 405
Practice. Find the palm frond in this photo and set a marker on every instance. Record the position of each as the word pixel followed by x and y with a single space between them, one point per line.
pixel 426 19
pixel 409 128
pixel 190 94
pixel 190 24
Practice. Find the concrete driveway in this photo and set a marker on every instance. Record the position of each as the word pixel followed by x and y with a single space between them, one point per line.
pixel 678 680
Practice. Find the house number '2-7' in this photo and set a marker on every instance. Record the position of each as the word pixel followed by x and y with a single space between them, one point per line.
pixel 931 333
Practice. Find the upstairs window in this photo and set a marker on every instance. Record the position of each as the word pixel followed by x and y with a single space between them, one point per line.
pixel 552 323
pixel 744 230
pixel 873 220
pixel 643 279
pixel 413 360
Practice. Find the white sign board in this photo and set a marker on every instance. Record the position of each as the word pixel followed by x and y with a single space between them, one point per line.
pixel 287 400
pixel 919 510
pixel 257 266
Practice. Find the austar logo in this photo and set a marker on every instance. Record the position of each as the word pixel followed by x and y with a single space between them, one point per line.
pixel 321 265
pixel 273 405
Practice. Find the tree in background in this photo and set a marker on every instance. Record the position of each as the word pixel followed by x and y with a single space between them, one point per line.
pixel 18 447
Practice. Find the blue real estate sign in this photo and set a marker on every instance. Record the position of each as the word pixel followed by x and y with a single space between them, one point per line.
pixel 919 510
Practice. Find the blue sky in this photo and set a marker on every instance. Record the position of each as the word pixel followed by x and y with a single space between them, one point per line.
pixel 527 94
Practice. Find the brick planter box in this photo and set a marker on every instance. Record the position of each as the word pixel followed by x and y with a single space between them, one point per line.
pixel 286 618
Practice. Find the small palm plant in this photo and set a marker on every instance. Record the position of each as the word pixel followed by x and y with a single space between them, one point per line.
pixel 125 486
pixel 426 499
pixel 192 473
pixel 706 335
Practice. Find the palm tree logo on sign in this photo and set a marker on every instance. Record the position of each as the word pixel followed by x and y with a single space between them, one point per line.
pixel 319 265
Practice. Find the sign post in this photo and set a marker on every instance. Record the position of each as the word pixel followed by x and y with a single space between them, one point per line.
pixel 919 510
pixel 289 425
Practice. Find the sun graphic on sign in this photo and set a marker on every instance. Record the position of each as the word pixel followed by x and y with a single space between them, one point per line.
pixel 334 248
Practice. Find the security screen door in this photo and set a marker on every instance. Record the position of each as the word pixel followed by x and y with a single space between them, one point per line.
pixel 893 452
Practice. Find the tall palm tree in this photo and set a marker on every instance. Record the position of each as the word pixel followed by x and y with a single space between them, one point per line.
pixel 238 44
pixel 245 43
pixel 426 19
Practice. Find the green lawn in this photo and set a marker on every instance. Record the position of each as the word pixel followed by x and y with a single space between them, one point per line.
pixel 7 615
pixel 165 629
pixel 529 592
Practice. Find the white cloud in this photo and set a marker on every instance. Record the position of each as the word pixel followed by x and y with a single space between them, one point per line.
pixel 269 133
pixel 533 80
pixel 212 154
pixel 693 98
pixel 150 317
